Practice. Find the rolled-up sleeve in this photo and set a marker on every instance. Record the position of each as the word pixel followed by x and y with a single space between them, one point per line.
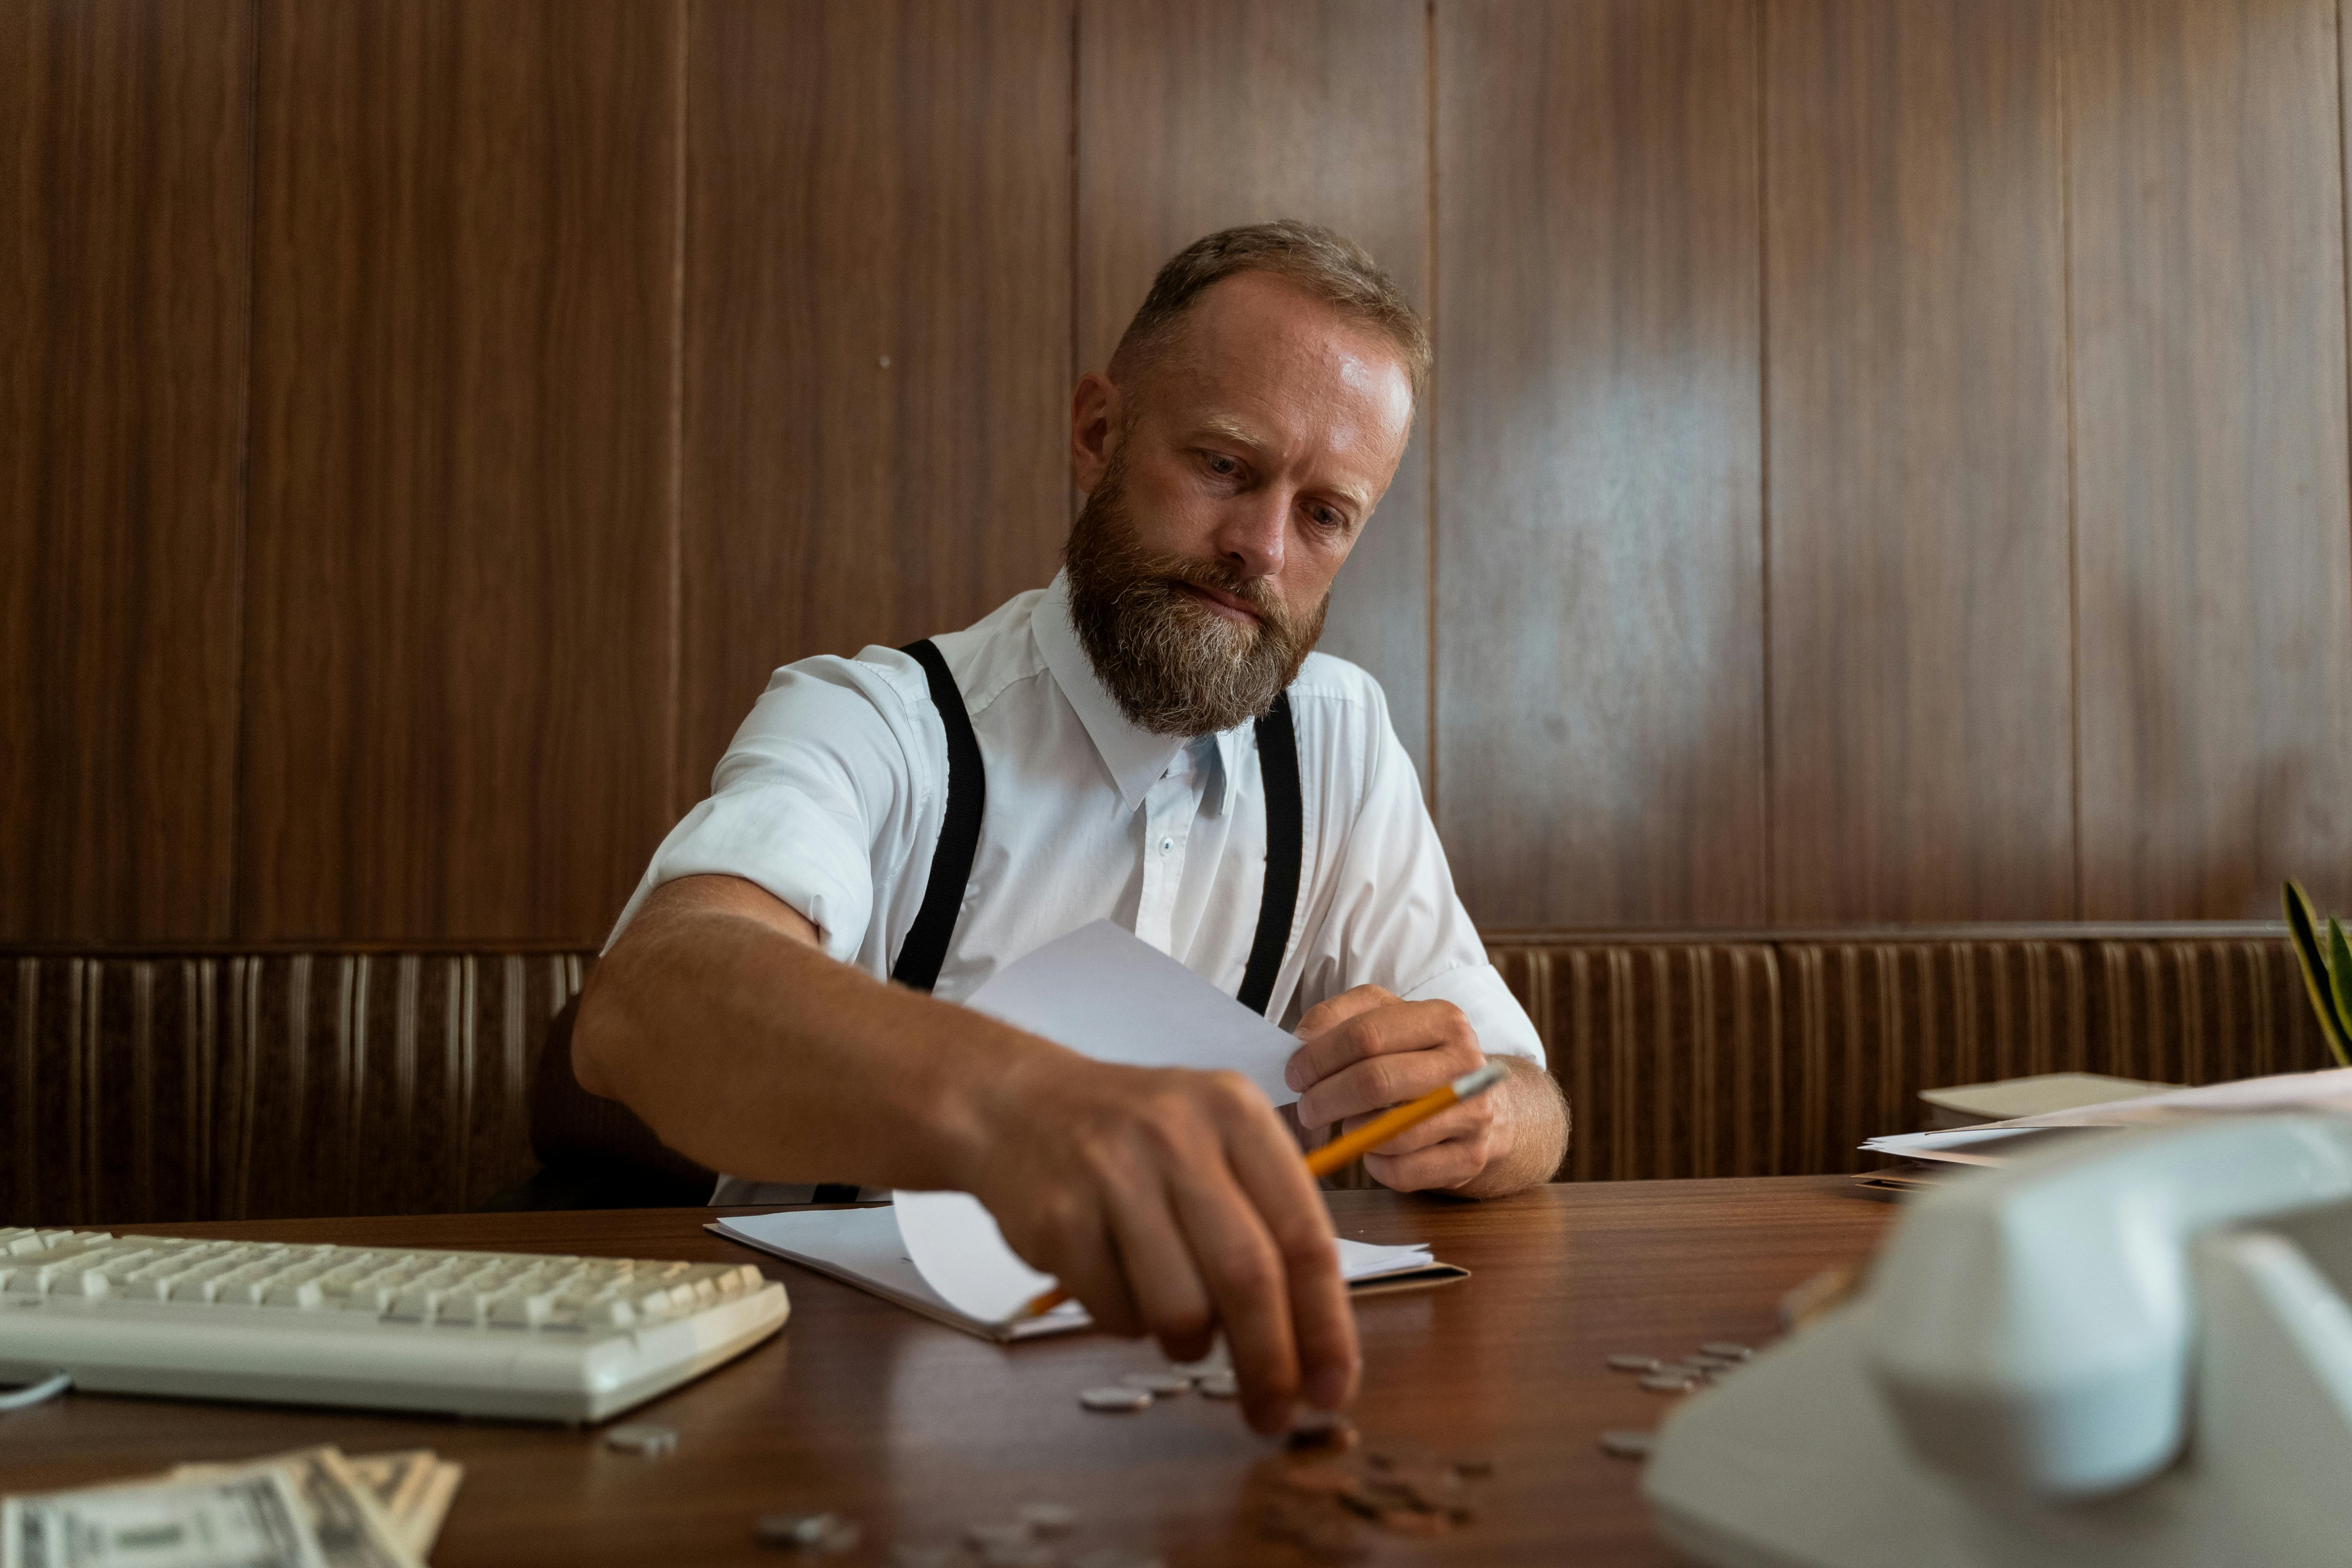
pixel 1395 921
pixel 815 781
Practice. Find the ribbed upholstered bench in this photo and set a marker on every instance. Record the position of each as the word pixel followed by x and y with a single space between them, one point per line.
pixel 153 1085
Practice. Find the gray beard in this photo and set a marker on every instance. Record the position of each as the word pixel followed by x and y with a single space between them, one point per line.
pixel 1174 667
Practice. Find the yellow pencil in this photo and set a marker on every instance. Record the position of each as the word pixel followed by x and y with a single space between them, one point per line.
pixel 1353 1147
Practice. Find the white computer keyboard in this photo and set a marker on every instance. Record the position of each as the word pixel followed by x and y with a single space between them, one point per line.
pixel 475 1333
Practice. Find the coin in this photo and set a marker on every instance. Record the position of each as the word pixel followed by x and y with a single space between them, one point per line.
pixel 1049 1518
pixel 1726 1347
pixel 1666 1384
pixel 641 1438
pixel 1220 1385
pixel 1163 1384
pixel 1116 1398
pixel 1626 1445
pixel 1320 1433
pixel 796 1529
pixel 1629 1362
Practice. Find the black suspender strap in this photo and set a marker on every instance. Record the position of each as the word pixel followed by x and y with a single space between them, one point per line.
pixel 926 947
pixel 1286 832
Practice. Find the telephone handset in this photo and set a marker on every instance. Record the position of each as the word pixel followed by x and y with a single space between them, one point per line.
pixel 2133 1349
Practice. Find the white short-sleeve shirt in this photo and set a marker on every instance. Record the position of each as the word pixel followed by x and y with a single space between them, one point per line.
pixel 832 794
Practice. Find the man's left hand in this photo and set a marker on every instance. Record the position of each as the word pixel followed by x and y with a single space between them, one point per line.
pixel 1365 1051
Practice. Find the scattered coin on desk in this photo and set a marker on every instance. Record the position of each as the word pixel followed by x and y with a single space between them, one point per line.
pixel 827 1532
pixel 1116 1397
pixel 1634 1363
pixel 1726 1348
pixel 1626 1445
pixel 643 1438
pixel 1321 1433
pixel 1670 1382
pixel 1219 1386
pixel 1162 1385
pixel 1320 1497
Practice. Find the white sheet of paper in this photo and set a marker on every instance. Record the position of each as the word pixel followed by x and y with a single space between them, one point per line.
pixel 963 1255
pixel 866 1247
pixel 1108 993
pixel 2326 1091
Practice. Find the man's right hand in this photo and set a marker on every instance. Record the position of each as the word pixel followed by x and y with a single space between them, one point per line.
pixel 1174 1204
pixel 1169 1203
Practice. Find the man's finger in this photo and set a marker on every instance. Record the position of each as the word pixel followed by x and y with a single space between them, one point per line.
pixel 1170 1296
pixel 1379 1082
pixel 1243 1270
pixel 1458 1122
pixel 1075 1248
pixel 1336 1010
pixel 1435 1169
pixel 1323 1323
pixel 1380 1031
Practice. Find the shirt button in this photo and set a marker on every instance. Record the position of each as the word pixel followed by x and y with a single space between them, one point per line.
pixel 1166 845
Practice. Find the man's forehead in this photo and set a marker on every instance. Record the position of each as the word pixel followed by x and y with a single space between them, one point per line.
pixel 1262 363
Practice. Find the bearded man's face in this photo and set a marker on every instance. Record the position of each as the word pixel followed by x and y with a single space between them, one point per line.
pixel 1174 665
pixel 1224 490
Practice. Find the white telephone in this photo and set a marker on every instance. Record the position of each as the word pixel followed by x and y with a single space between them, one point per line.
pixel 2133 1351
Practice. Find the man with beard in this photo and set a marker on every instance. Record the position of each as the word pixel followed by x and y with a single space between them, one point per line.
pixel 1156 745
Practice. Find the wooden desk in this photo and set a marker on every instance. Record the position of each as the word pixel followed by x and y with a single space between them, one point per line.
pixel 916 1430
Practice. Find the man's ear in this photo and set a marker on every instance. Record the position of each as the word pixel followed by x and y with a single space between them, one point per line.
pixel 1094 428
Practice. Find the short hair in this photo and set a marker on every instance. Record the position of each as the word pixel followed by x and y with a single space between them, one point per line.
pixel 1324 262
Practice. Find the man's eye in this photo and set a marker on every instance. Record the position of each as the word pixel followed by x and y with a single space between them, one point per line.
pixel 1223 467
pixel 1328 518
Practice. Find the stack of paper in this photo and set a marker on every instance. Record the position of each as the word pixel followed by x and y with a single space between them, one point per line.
pixel 1994 1142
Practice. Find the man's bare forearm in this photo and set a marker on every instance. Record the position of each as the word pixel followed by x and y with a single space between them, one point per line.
pixel 717 1020
pixel 1532 1126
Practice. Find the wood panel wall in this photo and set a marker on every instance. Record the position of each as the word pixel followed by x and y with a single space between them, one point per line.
pixel 1887 462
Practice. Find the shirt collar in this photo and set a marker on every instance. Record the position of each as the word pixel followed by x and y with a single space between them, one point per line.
pixel 1134 756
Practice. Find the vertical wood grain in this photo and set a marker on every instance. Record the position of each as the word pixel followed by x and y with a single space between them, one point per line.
pixel 123 253
pixel 878 309
pixel 460 607
pixel 2215 530
pixel 1197 115
pixel 1600 725
pixel 1915 266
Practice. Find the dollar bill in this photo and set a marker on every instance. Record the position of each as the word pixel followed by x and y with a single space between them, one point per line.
pixel 421 1524
pixel 250 1518
pixel 396 1482
pixel 351 1529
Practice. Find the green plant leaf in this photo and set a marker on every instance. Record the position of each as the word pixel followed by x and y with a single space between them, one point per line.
pixel 2316 979
pixel 2339 973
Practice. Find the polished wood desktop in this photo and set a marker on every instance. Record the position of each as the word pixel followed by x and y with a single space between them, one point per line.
pixel 916 1430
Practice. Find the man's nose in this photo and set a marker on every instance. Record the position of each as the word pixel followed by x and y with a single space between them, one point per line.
pixel 1251 533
